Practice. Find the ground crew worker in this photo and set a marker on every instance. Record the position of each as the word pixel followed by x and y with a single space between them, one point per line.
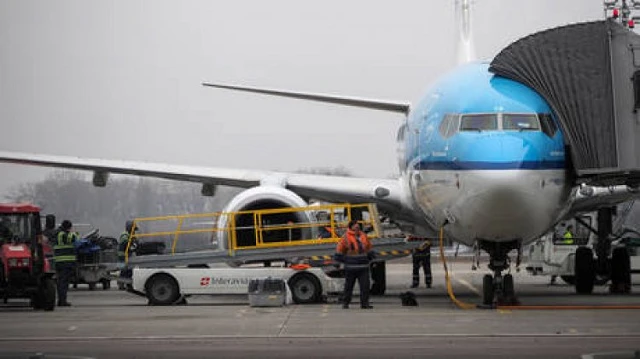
pixel 568 235
pixel 567 238
pixel 326 232
pixel 354 250
pixel 124 240
pixel 422 258
pixel 64 253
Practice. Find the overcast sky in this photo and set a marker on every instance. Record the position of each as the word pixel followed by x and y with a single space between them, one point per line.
pixel 121 79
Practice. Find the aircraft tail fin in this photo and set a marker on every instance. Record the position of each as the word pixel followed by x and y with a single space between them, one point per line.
pixel 391 106
pixel 464 33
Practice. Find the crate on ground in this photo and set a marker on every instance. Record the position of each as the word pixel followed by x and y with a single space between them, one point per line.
pixel 267 292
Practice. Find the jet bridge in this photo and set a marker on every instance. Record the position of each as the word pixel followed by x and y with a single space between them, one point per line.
pixel 589 73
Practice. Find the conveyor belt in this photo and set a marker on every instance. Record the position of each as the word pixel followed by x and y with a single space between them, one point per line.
pixel 263 254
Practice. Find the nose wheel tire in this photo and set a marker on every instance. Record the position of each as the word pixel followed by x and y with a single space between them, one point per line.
pixel 498 290
pixel 487 289
pixel 508 288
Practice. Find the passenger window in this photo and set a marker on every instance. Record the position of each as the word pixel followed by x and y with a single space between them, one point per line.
pixel 548 125
pixel 484 122
pixel 520 122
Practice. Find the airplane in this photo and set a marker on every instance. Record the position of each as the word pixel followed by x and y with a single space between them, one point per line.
pixel 481 157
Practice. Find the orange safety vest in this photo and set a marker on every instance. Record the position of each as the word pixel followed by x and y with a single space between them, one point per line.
pixel 355 255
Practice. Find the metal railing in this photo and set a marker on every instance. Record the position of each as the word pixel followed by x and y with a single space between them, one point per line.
pixel 317 224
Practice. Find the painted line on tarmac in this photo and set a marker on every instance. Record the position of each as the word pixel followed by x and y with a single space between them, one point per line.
pixel 469 286
pixel 313 336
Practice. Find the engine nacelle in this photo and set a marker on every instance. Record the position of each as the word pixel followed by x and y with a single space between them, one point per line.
pixel 265 197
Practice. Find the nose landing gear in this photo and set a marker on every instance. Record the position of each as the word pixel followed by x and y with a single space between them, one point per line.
pixel 498 289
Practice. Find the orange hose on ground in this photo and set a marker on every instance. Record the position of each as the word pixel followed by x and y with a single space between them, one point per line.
pixel 456 301
pixel 565 307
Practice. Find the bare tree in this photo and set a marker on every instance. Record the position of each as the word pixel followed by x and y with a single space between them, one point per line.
pixel 70 195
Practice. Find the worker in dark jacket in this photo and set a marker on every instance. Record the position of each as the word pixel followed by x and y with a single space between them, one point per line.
pixel 129 232
pixel 64 253
pixel 354 250
pixel 422 258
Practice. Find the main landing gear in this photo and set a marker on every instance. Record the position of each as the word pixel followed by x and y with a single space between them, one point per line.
pixel 589 269
pixel 498 289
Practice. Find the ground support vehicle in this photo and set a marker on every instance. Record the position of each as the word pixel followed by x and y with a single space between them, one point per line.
pixel 25 272
pixel 96 260
pixel 173 285
pixel 165 279
pixel 552 255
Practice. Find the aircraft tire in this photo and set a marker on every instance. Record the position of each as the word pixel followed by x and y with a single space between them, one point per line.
pixel 507 286
pixel 569 279
pixel 487 289
pixel 620 271
pixel 585 271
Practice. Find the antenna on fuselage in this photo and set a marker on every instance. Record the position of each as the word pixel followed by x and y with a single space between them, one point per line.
pixel 465 51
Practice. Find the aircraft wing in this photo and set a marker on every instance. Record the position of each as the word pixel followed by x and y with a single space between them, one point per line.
pixel 386 192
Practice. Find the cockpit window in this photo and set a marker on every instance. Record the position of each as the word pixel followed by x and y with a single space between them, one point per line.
pixel 548 125
pixel 482 122
pixel 449 125
pixel 520 122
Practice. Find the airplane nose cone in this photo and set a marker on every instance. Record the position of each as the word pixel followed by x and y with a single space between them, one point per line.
pixel 503 208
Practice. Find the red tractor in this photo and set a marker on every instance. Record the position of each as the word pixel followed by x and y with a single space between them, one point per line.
pixel 25 269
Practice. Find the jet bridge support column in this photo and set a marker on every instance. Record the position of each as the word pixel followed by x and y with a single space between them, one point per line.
pixel 603 246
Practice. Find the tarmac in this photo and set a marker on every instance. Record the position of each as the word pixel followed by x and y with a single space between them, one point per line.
pixel 116 324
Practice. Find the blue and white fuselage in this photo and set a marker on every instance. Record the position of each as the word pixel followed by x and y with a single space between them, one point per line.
pixel 485 154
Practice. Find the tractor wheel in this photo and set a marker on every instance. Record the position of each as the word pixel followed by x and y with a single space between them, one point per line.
pixel 36 301
pixel 48 297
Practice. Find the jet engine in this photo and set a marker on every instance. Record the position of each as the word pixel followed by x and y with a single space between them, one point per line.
pixel 264 197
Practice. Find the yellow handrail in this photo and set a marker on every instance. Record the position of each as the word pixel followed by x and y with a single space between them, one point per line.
pixel 175 238
pixel 305 231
